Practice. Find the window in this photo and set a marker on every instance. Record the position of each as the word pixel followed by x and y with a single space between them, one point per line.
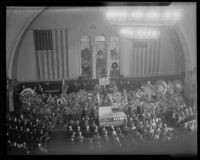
pixel 100 58
pixel 86 57
pixel 114 51
pixel 100 55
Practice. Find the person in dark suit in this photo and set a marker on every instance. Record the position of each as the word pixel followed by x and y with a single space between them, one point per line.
pixel 102 130
pixel 84 112
pixel 105 140
pixel 40 89
pixel 76 125
pixel 115 142
pixel 72 88
pixel 70 132
pixel 93 126
pixel 80 139
pixel 87 133
pixel 78 130
pixel 71 141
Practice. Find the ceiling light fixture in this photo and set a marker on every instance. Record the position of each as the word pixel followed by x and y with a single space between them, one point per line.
pixel 144 16
pixel 140 33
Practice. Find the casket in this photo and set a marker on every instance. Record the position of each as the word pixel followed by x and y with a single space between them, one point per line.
pixel 108 118
pixel 116 105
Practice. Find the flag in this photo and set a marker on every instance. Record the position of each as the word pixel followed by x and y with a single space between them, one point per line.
pixel 51 52
pixel 146 55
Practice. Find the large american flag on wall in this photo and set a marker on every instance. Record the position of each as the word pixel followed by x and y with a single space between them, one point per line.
pixel 51 52
pixel 146 55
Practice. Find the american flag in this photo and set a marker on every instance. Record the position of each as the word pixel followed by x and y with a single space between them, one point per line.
pixel 146 55
pixel 51 52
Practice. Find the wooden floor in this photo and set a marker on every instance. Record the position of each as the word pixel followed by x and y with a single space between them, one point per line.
pixel 58 144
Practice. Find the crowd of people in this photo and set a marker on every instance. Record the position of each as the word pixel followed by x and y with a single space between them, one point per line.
pixel 147 110
pixel 141 129
pixel 25 134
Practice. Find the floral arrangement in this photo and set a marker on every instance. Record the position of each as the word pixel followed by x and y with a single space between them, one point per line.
pixel 148 91
pixel 161 88
pixel 27 95
pixel 77 101
pixel 158 98
pixel 178 86
pixel 155 99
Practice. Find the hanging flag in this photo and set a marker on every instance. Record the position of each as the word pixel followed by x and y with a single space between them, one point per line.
pixel 146 54
pixel 51 52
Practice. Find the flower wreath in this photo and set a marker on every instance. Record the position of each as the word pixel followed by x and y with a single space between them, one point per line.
pixel 178 86
pixel 27 95
pixel 131 96
pixel 148 90
pixel 161 88
pixel 139 93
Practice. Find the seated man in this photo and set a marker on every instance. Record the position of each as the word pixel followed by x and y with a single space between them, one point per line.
pixel 102 130
pixel 78 130
pixel 80 139
pixel 42 149
pixel 105 138
pixel 69 131
pixel 86 132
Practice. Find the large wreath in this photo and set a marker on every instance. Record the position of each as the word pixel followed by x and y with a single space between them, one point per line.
pixel 178 86
pixel 27 95
pixel 161 88
pixel 148 91
pixel 139 93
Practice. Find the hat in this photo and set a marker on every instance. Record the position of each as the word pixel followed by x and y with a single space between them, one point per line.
pixel 103 128
pixel 78 128
pixel 114 133
pixel 79 133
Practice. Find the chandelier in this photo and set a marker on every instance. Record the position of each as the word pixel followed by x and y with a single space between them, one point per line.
pixel 142 22
pixel 143 16
pixel 140 32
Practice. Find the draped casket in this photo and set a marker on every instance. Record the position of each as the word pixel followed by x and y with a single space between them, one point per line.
pixel 109 118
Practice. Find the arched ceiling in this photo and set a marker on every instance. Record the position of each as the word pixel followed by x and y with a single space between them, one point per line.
pixel 19 20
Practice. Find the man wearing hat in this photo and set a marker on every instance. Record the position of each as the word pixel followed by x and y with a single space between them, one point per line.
pixel 87 132
pixel 79 139
pixel 69 131
pixel 70 140
pixel 105 138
